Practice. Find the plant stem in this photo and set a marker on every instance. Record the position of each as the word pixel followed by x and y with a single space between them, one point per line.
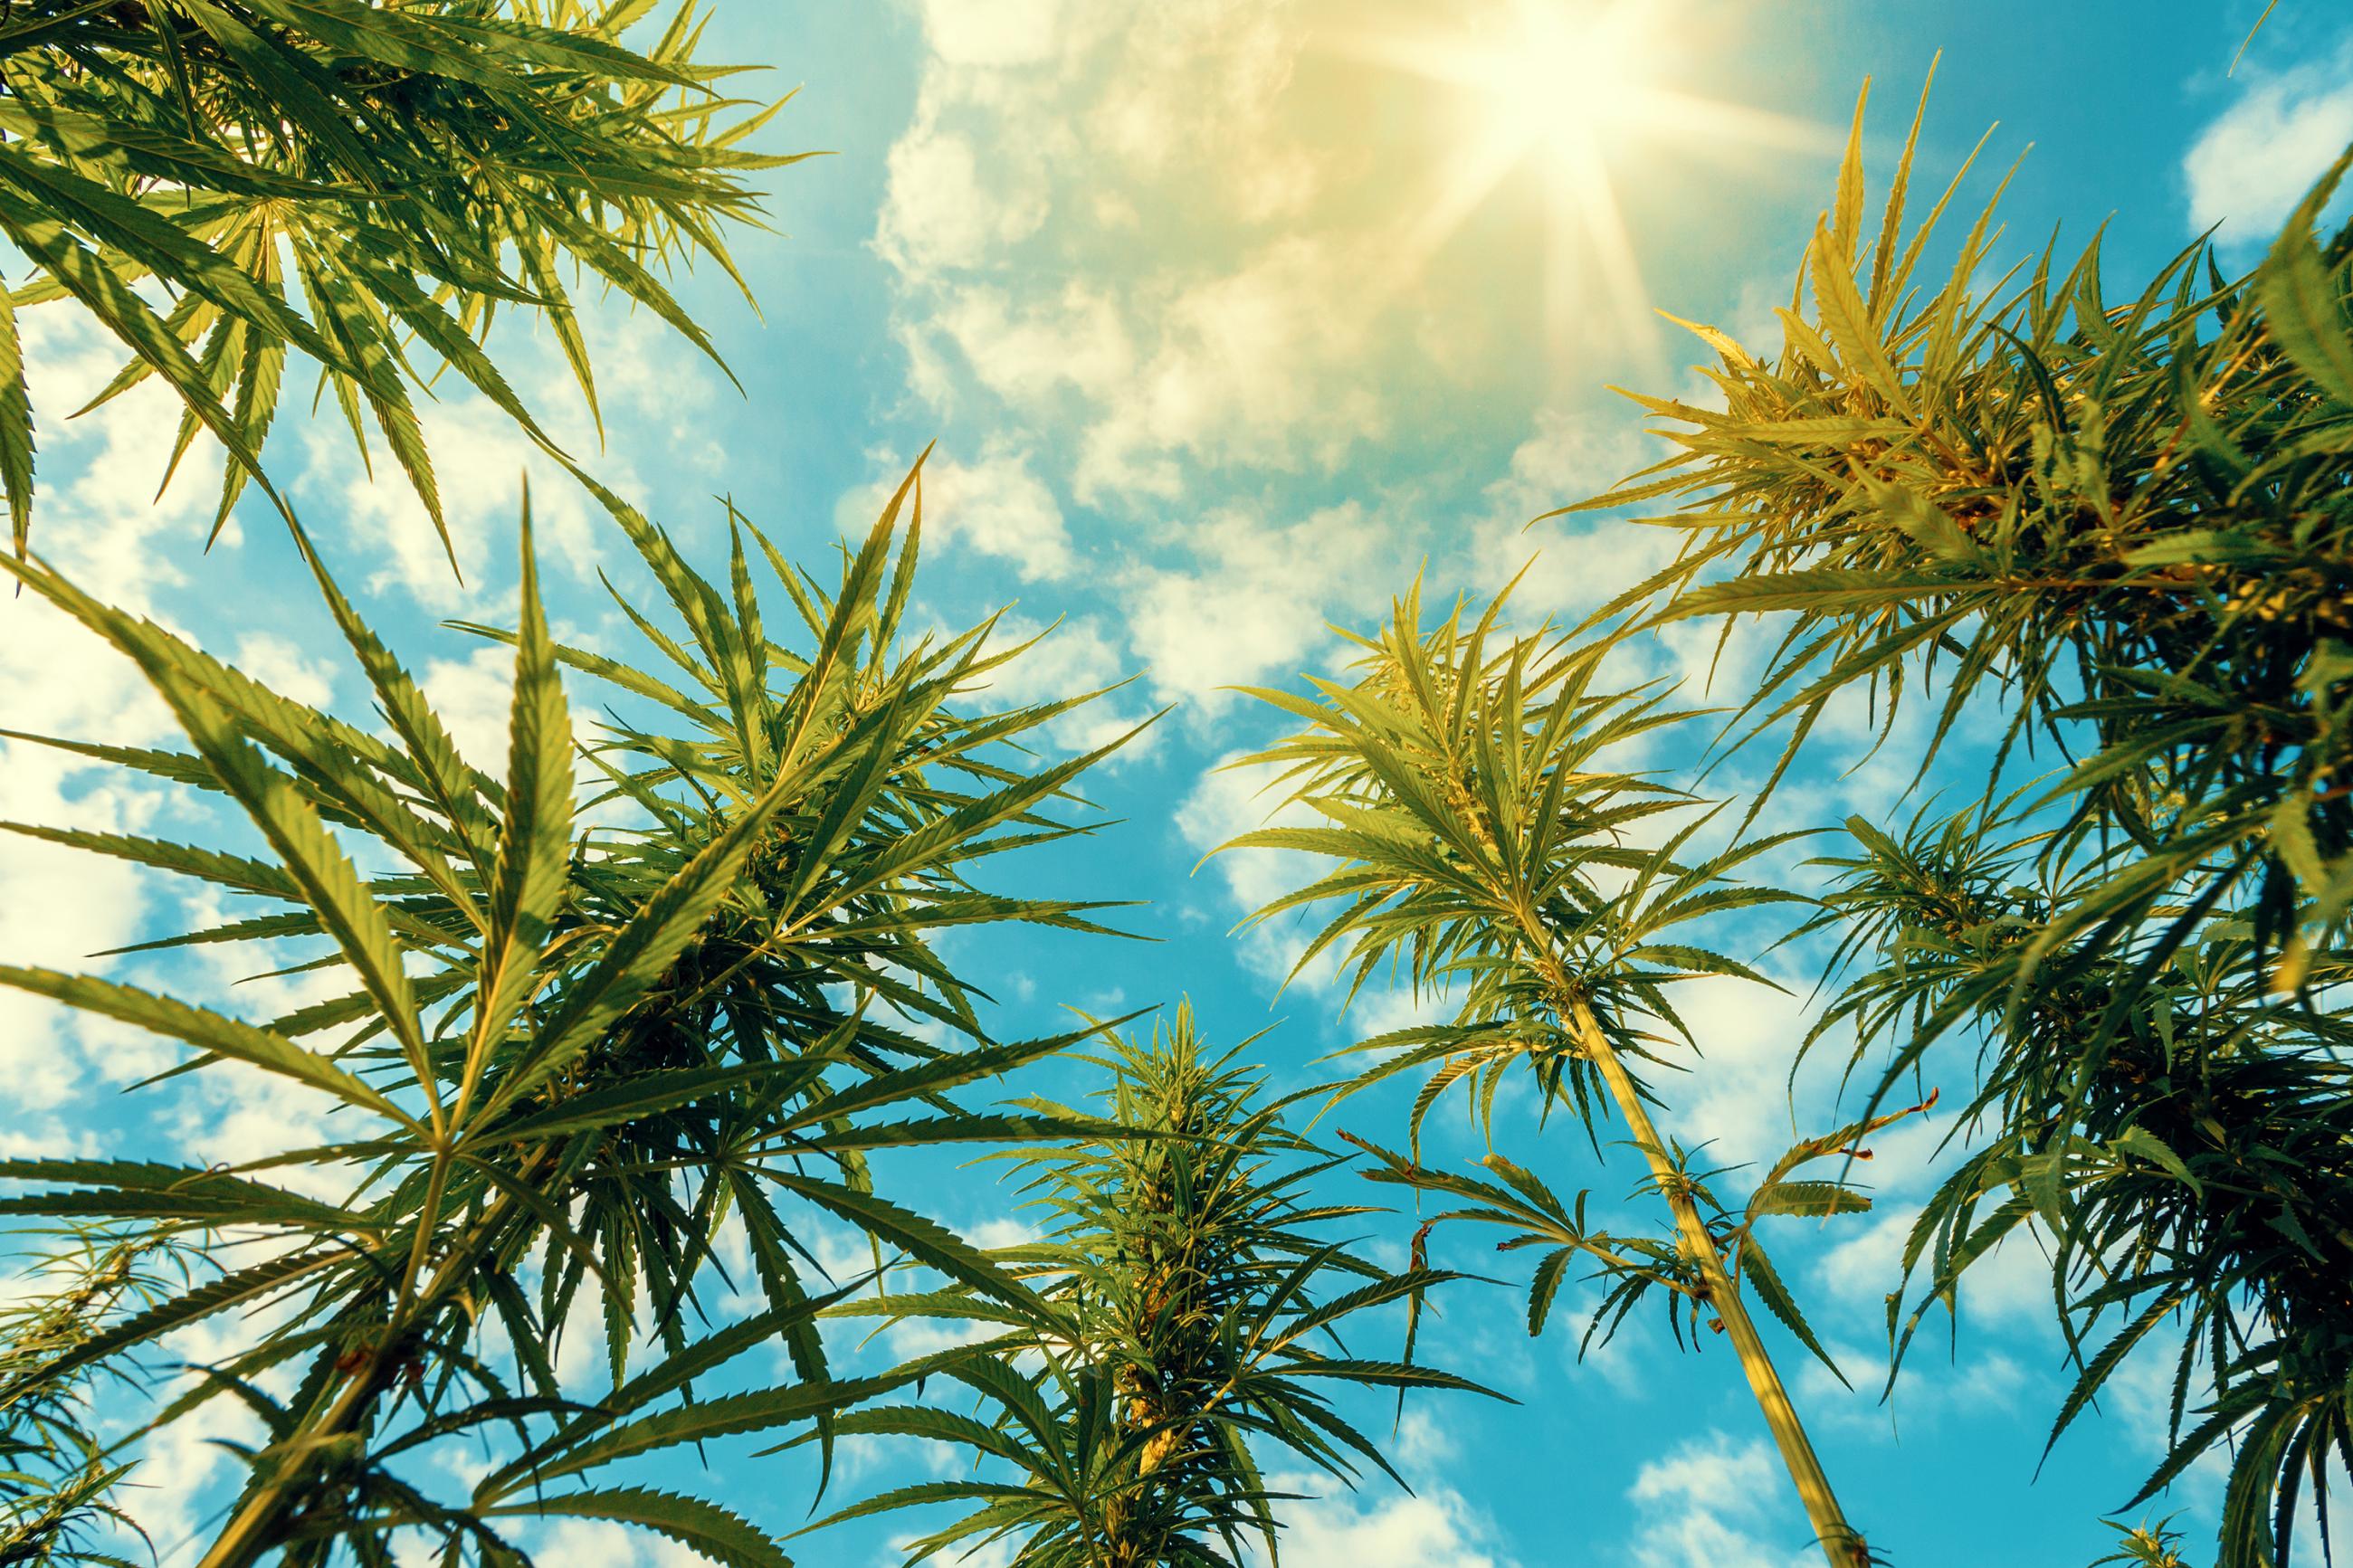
pixel 259 1521
pixel 1840 1542
pixel 256 1527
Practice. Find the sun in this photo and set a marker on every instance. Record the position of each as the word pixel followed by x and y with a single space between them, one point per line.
pixel 1560 83
pixel 1578 91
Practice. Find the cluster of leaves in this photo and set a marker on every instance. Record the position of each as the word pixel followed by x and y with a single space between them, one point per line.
pixel 569 1051
pixel 2182 1133
pixel 1484 847
pixel 410 169
pixel 1628 1266
pixel 2122 531
pixel 1186 1267
pixel 2144 1546
pixel 2124 527
pixel 55 1474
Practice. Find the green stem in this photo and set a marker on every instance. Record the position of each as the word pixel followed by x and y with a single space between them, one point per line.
pixel 1840 1542
pixel 255 1529
pixel 1842 1545
pixel 258 1522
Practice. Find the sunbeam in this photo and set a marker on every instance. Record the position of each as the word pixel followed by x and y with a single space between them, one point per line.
pixel 1573 89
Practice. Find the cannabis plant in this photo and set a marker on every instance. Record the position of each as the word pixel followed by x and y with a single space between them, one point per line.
pixel 2144 1546
pixel 410 169
pixel 1199 1293
pixel 2182 1132
pixel 2123 528
pixel 2118 532
pixel 1486 847
pixel 567 1054
pixel 55 1473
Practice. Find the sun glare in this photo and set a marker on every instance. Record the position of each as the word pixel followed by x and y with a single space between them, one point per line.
pixel 1572 90
pixel 1561 84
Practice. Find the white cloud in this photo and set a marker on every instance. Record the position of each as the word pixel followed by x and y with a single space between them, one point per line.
pixel 595 1544
pixel 1715 1502
pixel 2255 161
pixel 1025 350
pixel 2009 1287
pixel 474 698
pixel 1059 661
pixel 1245 368
pixel 1135 232
pixel 936 210
pixel 1401 1006
pixel 285 669
pixel 653 391
pixel 1435 1527
pixel 232 1114
pixel 1565 566
pixel 1065 659
pixel 996 505
pixel 183 1469
pixel 1118 226
pixel 2140 1394
pixel 1735 1098
pixel 177 1470
pixel 1249 607
pixel 1227 801
pixel 1982 1382
pixel 653 387
pixel 106 531
pixel 994 32
pixel 481 464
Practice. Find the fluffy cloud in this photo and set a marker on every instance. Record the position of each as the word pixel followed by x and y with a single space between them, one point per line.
pixel 481 464
pixel 1055 662
pixel 1250 603
pixel 1129 251
pixel 2011 1285
pixel 2249 168
pixel 995 505
pixel 593 1543
pixel 1156 252
pixel 1714 1502
pixel 1229 801
pixel 1566 567
pixel 651 389
pixel 474 698
pixel 285 669
pixel 1136 234
pixel 103 527
pixel 1063 661
pixel 1433 1528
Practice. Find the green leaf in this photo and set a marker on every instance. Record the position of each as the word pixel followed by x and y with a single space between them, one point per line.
pixel 1818 1200
pixel 535 840
pixel 16 427
pixel 644 1094
pixel 2302 304
pixel 207 1031
pixel 1758 1269
pixel 924 1240
pixel 642 949
pixel 699 1422
pixel 2140 1140
pixel 40 237
pixel 1848 319
pixel 700 1526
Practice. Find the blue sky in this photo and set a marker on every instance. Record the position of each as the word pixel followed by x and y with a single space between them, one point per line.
pixel 1217 345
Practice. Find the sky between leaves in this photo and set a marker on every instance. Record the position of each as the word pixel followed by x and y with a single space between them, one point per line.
pixel 1229 316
